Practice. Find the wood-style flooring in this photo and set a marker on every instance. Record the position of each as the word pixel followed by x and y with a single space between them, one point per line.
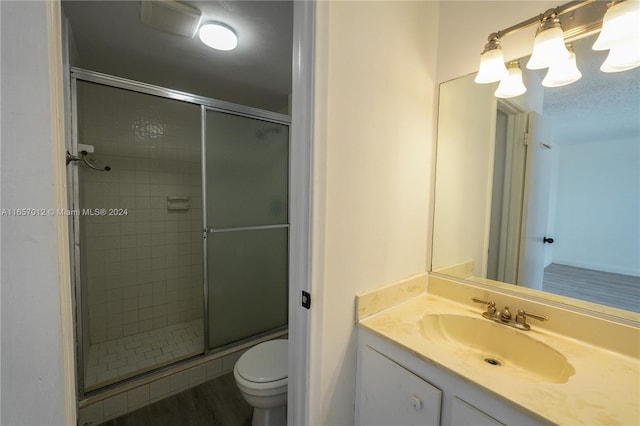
pixel 217 402
pixel 616 290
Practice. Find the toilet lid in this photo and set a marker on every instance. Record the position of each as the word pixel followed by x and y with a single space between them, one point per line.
pixel 266 362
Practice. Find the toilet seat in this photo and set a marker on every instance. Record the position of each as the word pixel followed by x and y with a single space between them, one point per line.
pixel 265 388
pixel 264 366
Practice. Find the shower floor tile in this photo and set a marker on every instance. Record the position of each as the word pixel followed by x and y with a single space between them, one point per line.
pixel 120 358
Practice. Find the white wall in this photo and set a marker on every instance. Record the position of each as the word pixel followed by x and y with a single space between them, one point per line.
pixel 34 381
pixel 598 206
pixel 374 123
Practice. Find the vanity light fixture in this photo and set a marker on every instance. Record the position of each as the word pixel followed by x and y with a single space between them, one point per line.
pixel 620 35
pixel 548 46
pixel 512 85
pixel 492 67
pixel 218 36
pixel 563 72
pixel 620 25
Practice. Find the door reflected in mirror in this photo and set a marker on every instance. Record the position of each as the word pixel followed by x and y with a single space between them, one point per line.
pixel 543 190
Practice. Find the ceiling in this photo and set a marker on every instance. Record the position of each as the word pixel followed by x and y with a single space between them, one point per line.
pixel 598 107
pixel 110 38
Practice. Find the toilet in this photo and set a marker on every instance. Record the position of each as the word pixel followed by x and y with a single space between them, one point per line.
pixel 261 376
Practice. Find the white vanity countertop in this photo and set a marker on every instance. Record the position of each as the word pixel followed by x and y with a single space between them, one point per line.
pixel 604 390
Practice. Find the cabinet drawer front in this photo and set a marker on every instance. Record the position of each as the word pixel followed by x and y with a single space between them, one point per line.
pixel 392 395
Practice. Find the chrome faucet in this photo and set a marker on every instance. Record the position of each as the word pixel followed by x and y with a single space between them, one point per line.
pixel 490 313
pixel 521 319
pixel 505 314
pixel 505 317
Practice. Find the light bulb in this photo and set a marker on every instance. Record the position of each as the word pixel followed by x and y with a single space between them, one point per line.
pixel 512 85
pixel 562 72
pixel 622 58
pixel 548 46
pixel 492 67
pixel 620 25
pixel 218 36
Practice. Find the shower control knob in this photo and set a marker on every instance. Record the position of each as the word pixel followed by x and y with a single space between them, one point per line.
pixel 416 402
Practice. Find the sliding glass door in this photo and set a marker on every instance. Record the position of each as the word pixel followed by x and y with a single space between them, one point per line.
pixel 247 174
pixel 139 239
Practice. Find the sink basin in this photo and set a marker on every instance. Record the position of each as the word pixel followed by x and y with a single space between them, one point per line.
pixel 497 346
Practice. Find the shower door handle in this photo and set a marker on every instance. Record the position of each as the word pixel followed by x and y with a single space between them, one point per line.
pixel 247 228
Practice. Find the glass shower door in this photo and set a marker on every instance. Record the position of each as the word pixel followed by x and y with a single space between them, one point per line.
pixel 139 231
pixel 247 174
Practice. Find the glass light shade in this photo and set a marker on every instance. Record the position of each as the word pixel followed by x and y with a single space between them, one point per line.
pixel 218 36
pixel 548 47
pixel 492 67
pixel 622 58
pixel 620 25
pixel 562 73
pixel 512 85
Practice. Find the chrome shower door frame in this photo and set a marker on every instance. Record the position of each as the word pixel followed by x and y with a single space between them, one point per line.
pixel 75 240
pixel 206 104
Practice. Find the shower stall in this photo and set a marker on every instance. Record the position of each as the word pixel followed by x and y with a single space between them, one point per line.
pixel 179 214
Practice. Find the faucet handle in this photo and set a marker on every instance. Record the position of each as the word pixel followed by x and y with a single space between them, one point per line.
pixel 486 302
pixel 491 305
pixel 522 315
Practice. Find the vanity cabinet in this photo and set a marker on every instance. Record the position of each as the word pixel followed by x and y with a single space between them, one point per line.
pixel 464 414
pixel 392 395
pixel 396 387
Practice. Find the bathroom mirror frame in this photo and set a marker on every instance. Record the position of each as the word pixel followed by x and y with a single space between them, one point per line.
pixel 611 313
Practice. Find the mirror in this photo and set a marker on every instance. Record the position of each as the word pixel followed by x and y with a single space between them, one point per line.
pixel 543 190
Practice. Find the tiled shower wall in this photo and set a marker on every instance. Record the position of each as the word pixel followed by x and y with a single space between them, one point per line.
pixel 142 269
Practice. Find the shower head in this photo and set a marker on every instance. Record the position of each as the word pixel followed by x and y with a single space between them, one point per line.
pixel 83 157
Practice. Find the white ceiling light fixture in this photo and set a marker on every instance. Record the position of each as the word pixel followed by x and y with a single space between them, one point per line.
pixel 548 46
pixel 563 72
pixel 218 36
pixel 512 85
pixel 492 67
